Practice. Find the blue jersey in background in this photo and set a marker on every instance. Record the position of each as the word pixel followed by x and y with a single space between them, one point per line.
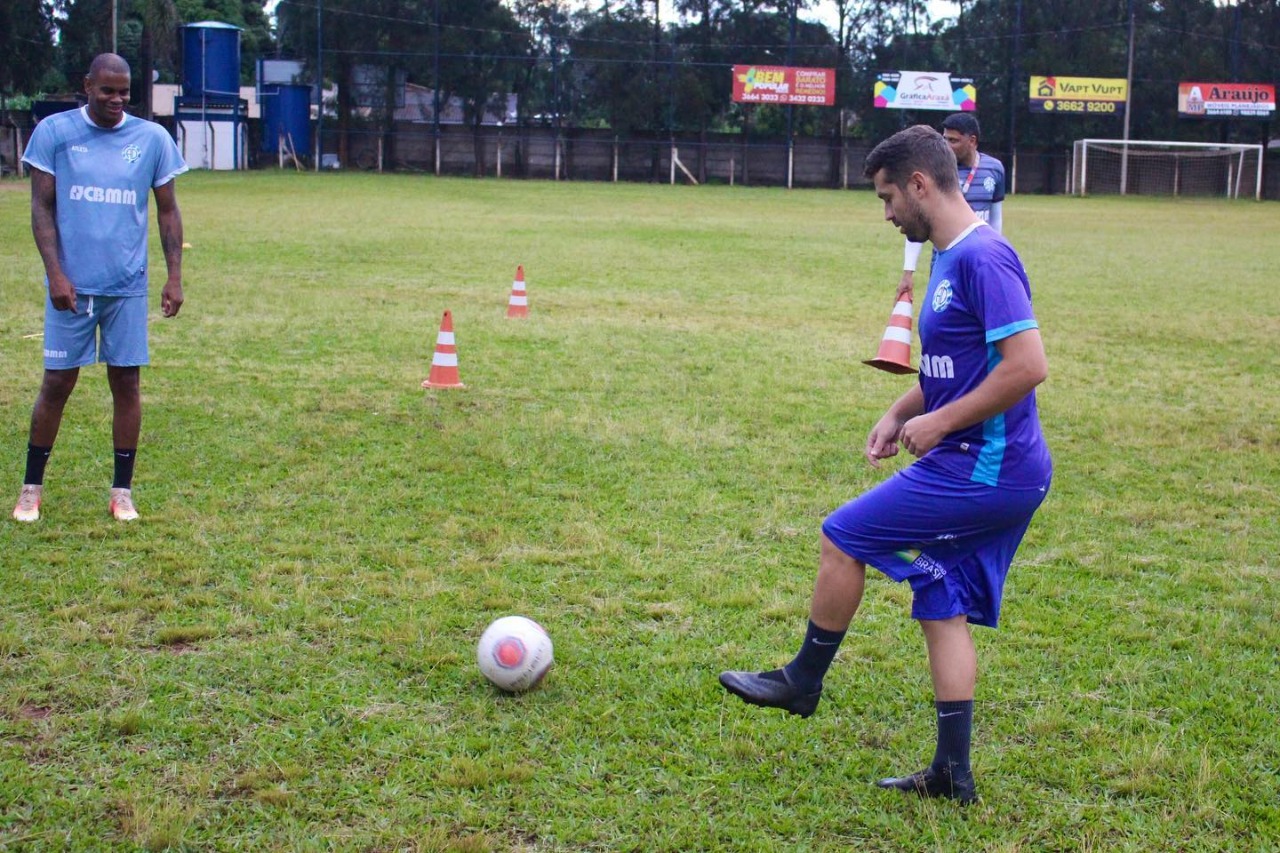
pixel 982 185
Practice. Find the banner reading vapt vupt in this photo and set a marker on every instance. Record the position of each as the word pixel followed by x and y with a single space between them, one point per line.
pixel 780 84
pixel 925 90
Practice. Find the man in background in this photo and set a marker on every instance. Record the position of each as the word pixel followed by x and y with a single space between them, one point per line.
pixel 981 184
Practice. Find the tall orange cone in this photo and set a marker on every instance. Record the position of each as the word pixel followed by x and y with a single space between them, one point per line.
pixel 518 304
pixel 895 347
pixel 444 363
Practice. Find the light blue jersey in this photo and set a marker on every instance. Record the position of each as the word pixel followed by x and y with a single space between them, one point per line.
pixel 104 177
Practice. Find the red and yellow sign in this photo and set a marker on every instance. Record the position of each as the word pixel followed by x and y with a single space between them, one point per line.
pixel 779 84
pixel 1226 100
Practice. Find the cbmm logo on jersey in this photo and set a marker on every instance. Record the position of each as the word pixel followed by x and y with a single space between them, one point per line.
pixel 937 366
pixel 103 195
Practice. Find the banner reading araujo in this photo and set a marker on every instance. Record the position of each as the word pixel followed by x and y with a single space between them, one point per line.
pixel 925 90
pixel 1226 100
pixel 780 84
pixel 1091 96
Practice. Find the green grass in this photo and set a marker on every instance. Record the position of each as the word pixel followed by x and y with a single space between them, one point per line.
pixel 280 655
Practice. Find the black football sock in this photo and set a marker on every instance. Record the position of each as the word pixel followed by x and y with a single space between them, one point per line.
pixel 37 458
pixel 807 669
pixel 955 730
pixel 124 467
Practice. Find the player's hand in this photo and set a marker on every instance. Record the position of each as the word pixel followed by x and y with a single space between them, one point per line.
pixel 62 293
pixel 921 434
pixel 905 284
pixel 882 441
pixel 171 298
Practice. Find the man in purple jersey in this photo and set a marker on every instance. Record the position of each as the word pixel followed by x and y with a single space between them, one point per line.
pixel 92 172
pixel 949 523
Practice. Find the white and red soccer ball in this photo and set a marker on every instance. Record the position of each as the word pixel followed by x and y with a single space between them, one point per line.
pixel 514 653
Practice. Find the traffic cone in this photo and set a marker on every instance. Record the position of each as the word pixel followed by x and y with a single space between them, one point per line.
pixel 444 363
pixel 895 347
pixel 518 304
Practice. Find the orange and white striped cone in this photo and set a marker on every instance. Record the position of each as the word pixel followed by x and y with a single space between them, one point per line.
pixel 444 363
pixel 518 304
pixel 895 347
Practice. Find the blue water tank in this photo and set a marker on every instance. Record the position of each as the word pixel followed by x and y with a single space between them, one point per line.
pixel 211 60
pixel 286 111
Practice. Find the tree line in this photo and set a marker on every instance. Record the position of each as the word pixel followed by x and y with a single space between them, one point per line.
pixel 619 64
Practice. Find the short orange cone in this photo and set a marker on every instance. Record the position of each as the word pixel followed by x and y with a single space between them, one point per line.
pixel 444 364
pixel 518 304
pixel 895 347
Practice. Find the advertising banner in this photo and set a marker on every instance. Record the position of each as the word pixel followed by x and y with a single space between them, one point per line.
pixel 1080 96
pixel 780 84
pixel 1226 100
pixel 925 90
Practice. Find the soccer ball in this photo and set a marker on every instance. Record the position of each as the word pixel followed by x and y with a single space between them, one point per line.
pixel 514 653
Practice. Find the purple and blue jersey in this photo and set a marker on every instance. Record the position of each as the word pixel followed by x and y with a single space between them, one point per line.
pixel 950 523
pixel 104 177
pixel 978 295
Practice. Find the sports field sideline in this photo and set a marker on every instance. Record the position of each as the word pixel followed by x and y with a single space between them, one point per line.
pixel 280 654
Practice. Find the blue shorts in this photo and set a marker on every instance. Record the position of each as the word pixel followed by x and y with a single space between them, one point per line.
pixel 951 539
pixel 112 329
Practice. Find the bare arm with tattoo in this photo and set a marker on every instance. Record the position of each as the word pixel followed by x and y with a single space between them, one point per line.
pixel 44 227
pixel 169 218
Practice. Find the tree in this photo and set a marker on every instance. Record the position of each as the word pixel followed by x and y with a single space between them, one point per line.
pixel 486 47
pixel 26 42
pixel 621 86
pixel 354 36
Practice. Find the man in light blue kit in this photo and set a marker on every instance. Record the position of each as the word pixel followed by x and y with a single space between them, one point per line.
pixel 981 184
pixel 948 524
pixel 91 172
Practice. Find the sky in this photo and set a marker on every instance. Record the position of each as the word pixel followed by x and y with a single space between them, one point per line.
pixel 823 10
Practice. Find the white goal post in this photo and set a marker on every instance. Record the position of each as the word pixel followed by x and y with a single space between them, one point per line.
pixel 1146 167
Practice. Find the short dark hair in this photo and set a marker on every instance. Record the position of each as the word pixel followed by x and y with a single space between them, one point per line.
pixel 966 123
pixel 108 63
pixel 919 148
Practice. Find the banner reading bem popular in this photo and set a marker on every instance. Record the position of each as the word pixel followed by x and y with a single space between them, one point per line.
pixel 780 84
pixel 1226 100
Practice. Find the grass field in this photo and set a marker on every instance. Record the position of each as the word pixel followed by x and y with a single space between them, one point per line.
pixel 280 654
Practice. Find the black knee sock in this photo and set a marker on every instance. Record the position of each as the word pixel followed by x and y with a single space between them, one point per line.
pixel 955 730
pixel 124 467
pixel 37 458
pixel 807 669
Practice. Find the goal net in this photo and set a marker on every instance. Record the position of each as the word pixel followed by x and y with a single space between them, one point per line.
pixel 1141 167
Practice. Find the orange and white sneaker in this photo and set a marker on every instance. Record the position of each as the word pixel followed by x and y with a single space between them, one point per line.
pixel 28 508
pixel 122 505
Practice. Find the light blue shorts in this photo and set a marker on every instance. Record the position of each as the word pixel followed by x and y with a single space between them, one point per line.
pixel 952 540
pixel 111 329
